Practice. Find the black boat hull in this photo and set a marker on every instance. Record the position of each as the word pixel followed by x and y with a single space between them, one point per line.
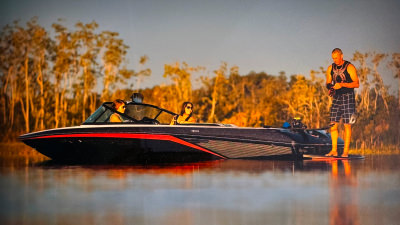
pixel 128 143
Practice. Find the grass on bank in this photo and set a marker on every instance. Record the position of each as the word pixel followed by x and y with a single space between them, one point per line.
pixel 390 150
pixel 20 153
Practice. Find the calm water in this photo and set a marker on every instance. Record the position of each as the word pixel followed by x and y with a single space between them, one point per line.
pixel 219 192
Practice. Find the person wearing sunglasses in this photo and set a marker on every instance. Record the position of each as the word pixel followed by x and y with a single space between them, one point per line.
pixel 118 105
pixel 186 115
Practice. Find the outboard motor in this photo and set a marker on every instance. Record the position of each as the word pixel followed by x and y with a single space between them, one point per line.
pixel 296 123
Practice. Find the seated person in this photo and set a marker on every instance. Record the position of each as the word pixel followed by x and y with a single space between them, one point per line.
pixel 137 97
pixel 186 115
pixel 118 105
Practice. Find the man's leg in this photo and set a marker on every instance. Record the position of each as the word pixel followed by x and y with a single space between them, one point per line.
pixel 334 137
pixel 347 139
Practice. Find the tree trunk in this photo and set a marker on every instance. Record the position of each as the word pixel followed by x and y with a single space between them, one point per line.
pixel 63 102
pixel 56 102
pixel 214 97
pixel 398 93
pixel 4 95
pixel 106 82
pixel 85 94
pixel 26 110
pixel 40 82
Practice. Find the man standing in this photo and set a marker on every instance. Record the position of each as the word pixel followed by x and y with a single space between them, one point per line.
pixel 341 79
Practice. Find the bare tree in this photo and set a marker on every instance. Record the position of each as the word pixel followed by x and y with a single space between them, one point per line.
pixel 395 66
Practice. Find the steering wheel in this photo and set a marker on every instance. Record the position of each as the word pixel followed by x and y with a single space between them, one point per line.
pixel 147 120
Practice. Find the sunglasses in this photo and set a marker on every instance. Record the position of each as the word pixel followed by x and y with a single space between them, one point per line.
pixel 124 107
pixel 188 107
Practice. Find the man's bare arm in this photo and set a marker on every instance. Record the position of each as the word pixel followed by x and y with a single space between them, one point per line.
pixel 328 75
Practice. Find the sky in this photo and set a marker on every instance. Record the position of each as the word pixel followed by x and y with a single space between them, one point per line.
pixel 262 36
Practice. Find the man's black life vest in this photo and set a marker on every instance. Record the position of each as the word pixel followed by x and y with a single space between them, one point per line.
pixel 339 74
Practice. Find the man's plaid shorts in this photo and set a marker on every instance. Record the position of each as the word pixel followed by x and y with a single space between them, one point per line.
pixel 343 106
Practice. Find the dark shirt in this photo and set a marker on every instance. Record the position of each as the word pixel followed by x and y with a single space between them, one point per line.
pixel 339 74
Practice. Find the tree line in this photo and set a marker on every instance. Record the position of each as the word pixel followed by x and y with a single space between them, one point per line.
pixel 53 81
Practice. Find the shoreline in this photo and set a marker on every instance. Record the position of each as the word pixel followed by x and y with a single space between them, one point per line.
pixel 18 149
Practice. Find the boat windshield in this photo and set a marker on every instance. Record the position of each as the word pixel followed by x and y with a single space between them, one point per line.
pixel 137 113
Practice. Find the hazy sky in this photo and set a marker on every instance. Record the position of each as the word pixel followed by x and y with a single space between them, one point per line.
pixel 271 36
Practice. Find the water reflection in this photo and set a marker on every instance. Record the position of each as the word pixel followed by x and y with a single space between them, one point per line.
pixel 211 192
pixel 343 194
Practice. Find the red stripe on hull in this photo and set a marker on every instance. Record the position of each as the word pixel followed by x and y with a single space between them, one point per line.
pixel 162 137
